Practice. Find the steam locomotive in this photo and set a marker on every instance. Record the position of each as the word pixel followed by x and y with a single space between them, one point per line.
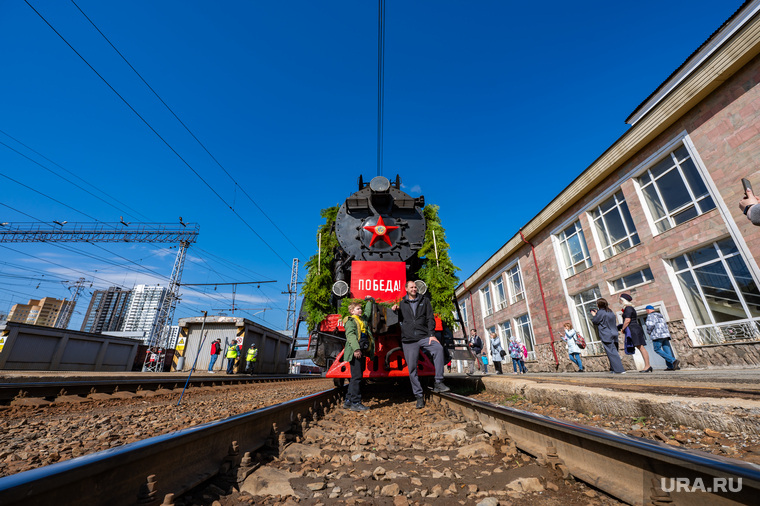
pixel 380 229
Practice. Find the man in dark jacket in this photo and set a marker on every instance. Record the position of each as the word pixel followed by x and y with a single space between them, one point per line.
pixel 415 314
pixel 476 346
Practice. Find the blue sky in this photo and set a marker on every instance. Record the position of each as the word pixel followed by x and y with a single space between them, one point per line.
pixel 491 109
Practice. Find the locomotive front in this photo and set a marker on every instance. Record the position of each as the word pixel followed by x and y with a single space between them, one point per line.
pixel 380 229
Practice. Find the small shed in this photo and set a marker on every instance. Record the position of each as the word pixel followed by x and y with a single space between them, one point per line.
pixel 273 346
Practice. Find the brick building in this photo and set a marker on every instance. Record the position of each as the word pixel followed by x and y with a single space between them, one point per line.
pixel 655 216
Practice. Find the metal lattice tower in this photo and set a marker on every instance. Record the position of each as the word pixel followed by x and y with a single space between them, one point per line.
pixel 159 334
pixel 292 292
pixel 68 307
pixel 121 232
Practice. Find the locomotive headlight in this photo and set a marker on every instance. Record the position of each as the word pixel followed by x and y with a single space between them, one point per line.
pixel 379 184
pixel 340 288
pixel 421 287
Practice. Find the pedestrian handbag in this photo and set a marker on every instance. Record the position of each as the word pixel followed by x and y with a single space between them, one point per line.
pixel 630 349
pixel 580 341
pixel 502 353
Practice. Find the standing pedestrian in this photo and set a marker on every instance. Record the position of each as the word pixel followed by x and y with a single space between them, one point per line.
pixel 415 314
pixel 250 358
pixel 573 350
pixel 660 334
pixel 606 323
pixel 359 345
pixel 216 350
pixel 497 353
pixel 232 354
pixel 515 353
pixel 476 347
pixel 638 338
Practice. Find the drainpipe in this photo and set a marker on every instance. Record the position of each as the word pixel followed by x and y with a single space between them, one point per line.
pixel 543 298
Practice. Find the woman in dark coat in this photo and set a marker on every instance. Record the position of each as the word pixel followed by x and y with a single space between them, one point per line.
pixel 631 323
pixel 606 323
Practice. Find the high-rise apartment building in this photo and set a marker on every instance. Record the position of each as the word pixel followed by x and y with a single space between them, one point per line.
pixel 143 308
pixel 107 310
pixel 43 312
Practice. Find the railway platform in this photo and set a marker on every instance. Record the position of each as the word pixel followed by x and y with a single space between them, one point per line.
pixel 726 400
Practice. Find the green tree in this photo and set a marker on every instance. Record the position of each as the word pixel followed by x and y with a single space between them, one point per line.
pixel 317 287
pixel 440 276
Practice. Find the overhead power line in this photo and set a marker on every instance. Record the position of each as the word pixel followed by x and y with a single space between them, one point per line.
pixel 155 132
pixel 186 127
pixel 111 197
pixel 380 82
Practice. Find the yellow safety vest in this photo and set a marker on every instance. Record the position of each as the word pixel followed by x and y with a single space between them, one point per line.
pixel 232 352
pixel 251 355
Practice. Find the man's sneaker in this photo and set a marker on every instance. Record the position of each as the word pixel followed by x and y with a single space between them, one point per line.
pixel 420 402
pixel 346 405
pixel 439 387
pixel 358 407
pixel 676 365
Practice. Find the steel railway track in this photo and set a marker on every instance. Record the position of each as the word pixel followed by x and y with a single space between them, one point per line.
pixel 628 468
pixel 146 472
pixel 51 389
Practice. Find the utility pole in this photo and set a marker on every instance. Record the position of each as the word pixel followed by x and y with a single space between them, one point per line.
pixel 159 334
pixel 119 232
pixel 67 308
pixel 292 293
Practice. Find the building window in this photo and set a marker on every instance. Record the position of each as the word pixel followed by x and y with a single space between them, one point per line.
pixel 674 190
pixel 525 333
pixel 631 280
pixel 501 296
pixel 486 293
pixel 720 292
pixel 463 311
pixel 505 331
pixel 614 225
pixel 572 242
pixel 516 291
pixel 584 302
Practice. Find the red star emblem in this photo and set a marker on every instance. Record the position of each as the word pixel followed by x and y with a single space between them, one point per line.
pixel 380 230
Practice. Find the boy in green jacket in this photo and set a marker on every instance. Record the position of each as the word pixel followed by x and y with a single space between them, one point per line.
pixel 359 344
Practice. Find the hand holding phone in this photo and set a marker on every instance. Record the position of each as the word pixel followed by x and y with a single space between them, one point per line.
pixel 747 186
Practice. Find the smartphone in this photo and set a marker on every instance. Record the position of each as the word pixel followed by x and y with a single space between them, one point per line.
pixel 747 186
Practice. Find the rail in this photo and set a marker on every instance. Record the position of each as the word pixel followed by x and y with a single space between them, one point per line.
pixel 635 470
pixel 149 470
pixel 51 389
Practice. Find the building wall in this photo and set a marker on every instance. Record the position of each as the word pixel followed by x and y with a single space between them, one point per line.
pixel 107 310
pixel 722 134
pixel 143 307
pixel 43 312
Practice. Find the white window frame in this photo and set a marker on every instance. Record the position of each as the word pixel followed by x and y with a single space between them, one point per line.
pixel 586 328
pixel 486 300
pixel 631 235
pixel 570 270
pixel 713 332
pixel 513 294
pixel 501 296
pixel 463 312
pixel 532 340
pixel 613 289
pixel 693 201
pixel 505 331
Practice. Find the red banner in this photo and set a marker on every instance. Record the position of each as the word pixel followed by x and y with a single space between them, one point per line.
pixel 382 280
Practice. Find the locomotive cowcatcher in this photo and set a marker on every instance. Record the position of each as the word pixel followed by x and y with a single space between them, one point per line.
pixel 379 230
